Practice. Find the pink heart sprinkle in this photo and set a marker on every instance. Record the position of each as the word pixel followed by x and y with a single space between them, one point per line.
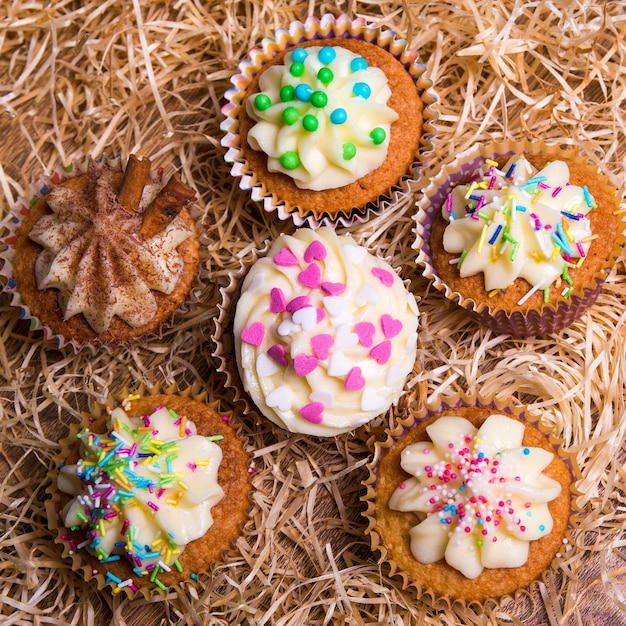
pixel 385 277
pixel 354 380
pixel 278 354
pixel 253 334
pixel 390 327
pixel 333 289
pixel 304 364
pixel 312 412
pixel 381 352
pixel 285 258
pixel 321 345
pixel 311 276
pixel 321 314
pixel 277 300
pixel 315 252
pixel 297 303
pixel 365 331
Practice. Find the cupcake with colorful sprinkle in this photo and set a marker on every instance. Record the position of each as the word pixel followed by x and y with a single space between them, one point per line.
pixel 329 121
pixel 149 494
pixel 469 500
pixel 521 235
pixel 324 334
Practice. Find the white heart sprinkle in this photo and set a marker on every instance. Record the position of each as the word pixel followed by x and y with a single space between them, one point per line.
pixel 396 375
pixel 413 304
pixel 306 317
pixel 339 365
pixel 345 338
pixel 323 396
pixel 366 295
pixel 356 254
pixel 280 398
pixel 266 366
pixel 335 305
pixel 286 327
pixel 371 401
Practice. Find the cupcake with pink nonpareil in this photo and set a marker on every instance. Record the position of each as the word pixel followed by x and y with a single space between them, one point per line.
pixel 325 333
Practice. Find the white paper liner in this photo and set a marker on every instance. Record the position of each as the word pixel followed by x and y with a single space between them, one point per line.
pixel 323 28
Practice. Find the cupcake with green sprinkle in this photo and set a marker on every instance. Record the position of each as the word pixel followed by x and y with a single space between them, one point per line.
pixel 150 493
pixel 329 122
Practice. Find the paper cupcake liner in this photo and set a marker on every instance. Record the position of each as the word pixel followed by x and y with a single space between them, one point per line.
pixel 9 227
pixel 421 588
pixel 315 28
pixel 118 575
pixel 224 351
pixel 551 317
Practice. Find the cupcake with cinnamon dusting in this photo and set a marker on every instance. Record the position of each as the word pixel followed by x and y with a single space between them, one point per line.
pixel 105 255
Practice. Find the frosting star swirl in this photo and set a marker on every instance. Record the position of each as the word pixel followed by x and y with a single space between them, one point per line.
pixel 516 222
pixel 481 494
pixel 93 253
pixel 322 117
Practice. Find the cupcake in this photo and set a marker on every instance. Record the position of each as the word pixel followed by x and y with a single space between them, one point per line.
pixel 469 502
pixel 324 332
pixel 328 121
pixel 520 235
pixel 103 254
pixel 149 494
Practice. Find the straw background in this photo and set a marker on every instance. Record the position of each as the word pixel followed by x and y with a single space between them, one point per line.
pixel 79 78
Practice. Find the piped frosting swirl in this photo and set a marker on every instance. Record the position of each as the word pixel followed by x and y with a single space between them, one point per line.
pixel 143 490
pixel 322 117
pixel 480 493
pixel 93 253
pixel 515 222
pixel 325 333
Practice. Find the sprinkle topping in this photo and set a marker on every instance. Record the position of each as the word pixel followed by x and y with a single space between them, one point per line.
pixel 478 489
pixel 517 223
pixel 311 120
pixel 141 490
pixel 324 339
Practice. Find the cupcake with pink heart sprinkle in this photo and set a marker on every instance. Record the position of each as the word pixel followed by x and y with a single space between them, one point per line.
pixel 325 333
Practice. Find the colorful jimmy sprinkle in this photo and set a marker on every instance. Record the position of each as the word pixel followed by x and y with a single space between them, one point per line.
pixel 516 222
pixel 142 490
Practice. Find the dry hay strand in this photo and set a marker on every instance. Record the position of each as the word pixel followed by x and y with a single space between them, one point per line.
pixel 80 79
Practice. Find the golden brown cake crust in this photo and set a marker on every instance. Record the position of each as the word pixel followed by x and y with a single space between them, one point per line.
pixel 440 578
pixel 604 222
pixel 228 516
pixel 403 143
pixel 43 304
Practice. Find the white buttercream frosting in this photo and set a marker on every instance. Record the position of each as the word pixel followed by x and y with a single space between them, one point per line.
pixel 516 222
pixel 325 333
pixel 93 253
pixel 144 489
pixel 322 117
pixel 481 494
